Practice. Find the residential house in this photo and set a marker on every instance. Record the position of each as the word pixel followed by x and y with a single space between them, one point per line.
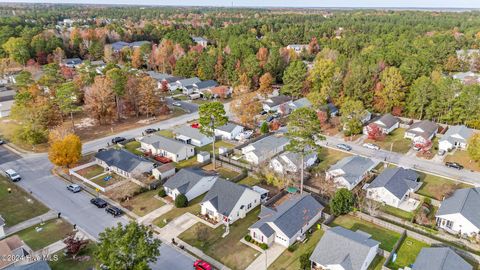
pixel 186 85
pixel 264 149
pixel 163 171
pixel 456 137
pixel 7 99
pixel 191 136
pixel 299 103
pixel 171 82
pixel 439 258
pixel 286 222
pixel 342 249
pixel 123 163
pixel 365 117
pixel 226 201
pixel 159 77
pixel 200 41
pixel 189 182
pixel 387 123
pixel 422 131
pixel 297 48
pixel 35 265
pixel 289 162
pixel 119 45
pixel 229 131
pixel 166 147
pixel 203 86
pixel 72 62
pixel 2 227
pixel 459 213
pixel 350 171
pixel 393 186
pixel 331 109
pixel 277 104
pixel 13 249
pixel 467 78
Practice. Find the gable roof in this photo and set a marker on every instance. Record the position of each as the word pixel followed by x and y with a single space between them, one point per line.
pixel 228 127
pixel 462 131
pixel 268 144
pixel 199 39
pixel 427 126
pixel 344 247
pixel 465 202
pixel 186 179
pixel 224 195
pixel 158 76
pixel 173 79
pixel 206 84
pixel 291 215
pixel 387 121
pixel 37 265
pixel 277 100
pixel 300 103
pixel 121 159
pixel 167 144
pixel 440 258
pixel 329 107
pixel 188 81
pixel 353 167
pixel 8 247
pixel 295 158
pixel 190 132
pixel 397 181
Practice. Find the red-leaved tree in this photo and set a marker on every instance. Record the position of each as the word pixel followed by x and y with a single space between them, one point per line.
pixel 374 132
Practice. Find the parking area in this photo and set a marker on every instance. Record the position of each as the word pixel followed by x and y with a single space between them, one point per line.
pixel 7 155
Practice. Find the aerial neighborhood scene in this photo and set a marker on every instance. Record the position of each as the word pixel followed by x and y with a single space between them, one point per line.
pixel 242 135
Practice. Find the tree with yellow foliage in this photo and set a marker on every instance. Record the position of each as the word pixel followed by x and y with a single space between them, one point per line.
pixel 65 149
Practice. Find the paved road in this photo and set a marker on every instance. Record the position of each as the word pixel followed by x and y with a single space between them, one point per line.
pixel 188 106
pixel 7 156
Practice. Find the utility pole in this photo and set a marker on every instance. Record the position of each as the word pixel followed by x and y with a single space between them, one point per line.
pixel 212 123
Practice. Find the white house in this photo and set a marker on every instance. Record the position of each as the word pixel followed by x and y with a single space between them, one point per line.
pixel 277 103
pixel 350 171
pixel 393 186
pixel 7 99
pixel 299 103
pixel 123 163
pixel 189 182
pixel 226 201
pixel 456 137
pixel 186 85
pixel 264 149
pixel 290 162
pixel 286 222
pixel 164 171
pixel 203 86
pixel 192 136
pixel 342 249
pixel 228 131
pixel 166 147
pixel 422 131
pixel 159 77
pixel 297 48
pixel 439 258
pixel 459 213
pixel 200 41
pixel 387 123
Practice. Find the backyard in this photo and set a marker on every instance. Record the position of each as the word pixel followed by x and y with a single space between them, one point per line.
pixel 386 237
pixel 51 232
pixel 218 144
pixel 407 253
pixel 229 250
pixel 377 263
pixel 223 171
pixel 21 206
pixel 249 181
pixel 186 163
pixel 290 260
pixel 143 203
pixel 132 147
pixel 85 260
pixel 166 133
pixel 193 207
pixel 394 211
pixel 463 158
pixel 395 141
pixel 437 187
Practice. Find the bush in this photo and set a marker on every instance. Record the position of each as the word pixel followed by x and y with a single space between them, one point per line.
pixel 292 248
pixel 181 201
pixel 305 260
pixel 342 202
pixel 248 238
pixel 263 246
pixel 161 192
pixel 264 128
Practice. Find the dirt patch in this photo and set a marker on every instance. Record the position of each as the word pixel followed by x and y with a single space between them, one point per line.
pixel 124 191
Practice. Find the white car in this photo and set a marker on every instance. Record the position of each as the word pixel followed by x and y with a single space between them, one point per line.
pixel 371 146
pixel 13 175
pixel 178 104
pixel 244 135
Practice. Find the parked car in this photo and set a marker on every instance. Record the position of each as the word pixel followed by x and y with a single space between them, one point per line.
pixel 201 265
pixel 270 118
pixel 371 146
pixel 150 130
pixel 343 146
pixel 118 140
pixel 13 175
pixel 101 150
pixel 177 104
pixel 441 152
pixel 74 188
pixel 100 203
pixel 244 135
pixel 2 142
pixel 195 125
pixel 263 112
pixel 114 211
pixel 454 165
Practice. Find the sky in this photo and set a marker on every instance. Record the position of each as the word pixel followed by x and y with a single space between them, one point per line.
pixel 282 3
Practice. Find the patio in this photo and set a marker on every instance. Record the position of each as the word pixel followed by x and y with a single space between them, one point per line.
pixel 409 205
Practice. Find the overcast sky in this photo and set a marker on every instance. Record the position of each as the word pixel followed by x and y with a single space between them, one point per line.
pixel 284 3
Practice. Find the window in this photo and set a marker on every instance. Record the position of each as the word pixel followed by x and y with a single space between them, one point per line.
pixel 249 206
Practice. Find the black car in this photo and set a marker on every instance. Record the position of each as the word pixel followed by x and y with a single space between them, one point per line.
pixel 99 202
pixel 454 165
pixel 150 130
pixel 114 211
pixel 118 139
pixel 102 149
pixel 270 118
pixel 2 142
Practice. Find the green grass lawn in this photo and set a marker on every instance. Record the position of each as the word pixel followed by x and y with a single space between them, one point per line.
pixel 224 172
pixel 91 171
pixel 67 263
pixel 218 144
pixel 143 203
pixel 290 260
pixel 397 212
pixel 17 206
pixel 166 133
pixel 132 147
pixel 250 181
pixel 463 158
pixel 328 157
pixel 436 187
pixel 407 253
pixel 400 144
pixel 386 237
pixel 186 163
pixel 229 250
pixel 101 182
pixel 193 207
pixel 377 263
pixel 52 231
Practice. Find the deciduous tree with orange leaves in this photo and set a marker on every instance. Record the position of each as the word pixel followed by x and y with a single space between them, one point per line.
pixel 65 149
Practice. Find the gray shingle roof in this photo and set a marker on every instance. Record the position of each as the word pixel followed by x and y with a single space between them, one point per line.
pixel 37 265
pixel 173 79
pixel 189 81
pixel 464 201
pixel 354 167
pixel 224 195
pixel 462 131
pixel 296 158
pixel 167 144
pixel 158 76
pixel 186 179
pixel 190 132
pixel 396 180
pixel 300 103
pixel 206 84
pixel 121 159
pixel 387 121
pixel 228 127
pixel 291 215
pixel 268 144
pixel 440 258
pixel 2 221
pixel 427 126
pixel 344 247
pixel 277 100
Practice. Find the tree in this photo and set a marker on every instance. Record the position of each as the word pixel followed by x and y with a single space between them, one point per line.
pixel 266 84
pixel 391 93
pixel 127 247
pixel 322 77
pixel 374 132
pixel 352 113
pixel 303 132
pixel 181 201
pixel 474 147
pixel 304 260
pixel 66 98
pixel 118 80
pixel 342 202
pixel 264 129
pixel 150 101
pixel 100 100
pixel 65 151
pixel 245 108
pixel 294 78
pixel 74 245
pixel 211 116
pixel 17 49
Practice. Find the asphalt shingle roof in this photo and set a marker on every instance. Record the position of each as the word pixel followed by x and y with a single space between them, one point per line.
pixel 190 132
pixel 268 144
pixel 121 159
pixel 440 258
pixel 300 103
pixel 206 84
pixel 167 144
pixel 427 126
pixel 344 247
pixel 228 127
pixel 224 195
pixel 396 180
pixel 461 131
pixel 354 167
pixel 37 265
pixel 189 81
pixel 186 179
pixel 158 76
pixel 464 201
pixel 277 100
pixel 387 121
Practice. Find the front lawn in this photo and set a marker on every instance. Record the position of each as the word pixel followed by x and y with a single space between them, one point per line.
pixel 290 260
pixel 85 260
pixel 386 237
pixel 437 187
pixel 100 180
pixel 229 250
pixel 166 133
pixel 397 212
pixel 327 157
pixel 17 206
pixel 407 253
pixel 51 232
pixel 395 141
pixel 91 171
pixel 463 158
pixel 143 203
pixel 133 148
pixel 193 207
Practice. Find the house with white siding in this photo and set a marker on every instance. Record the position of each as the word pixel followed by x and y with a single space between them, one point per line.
pixel 166 147
pixel 190 182
pixel 123 163
pixel 289 162
pixel 191 135
pixel 456 137
pixel 264 149
pixel 350 171
pixel 229 131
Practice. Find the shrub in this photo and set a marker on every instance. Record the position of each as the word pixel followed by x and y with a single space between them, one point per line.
pixel 263 246
pixel 264 128
pixel 342 202
pixel 248 238
pixel 305 260
pixel 161 192
pixel 181 201
pixel 292 248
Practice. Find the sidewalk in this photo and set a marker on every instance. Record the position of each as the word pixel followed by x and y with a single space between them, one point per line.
pixel 272 254
pixel 31 222
pixel 150 217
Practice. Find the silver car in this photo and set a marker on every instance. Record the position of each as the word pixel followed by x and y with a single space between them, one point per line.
pixel 74 188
